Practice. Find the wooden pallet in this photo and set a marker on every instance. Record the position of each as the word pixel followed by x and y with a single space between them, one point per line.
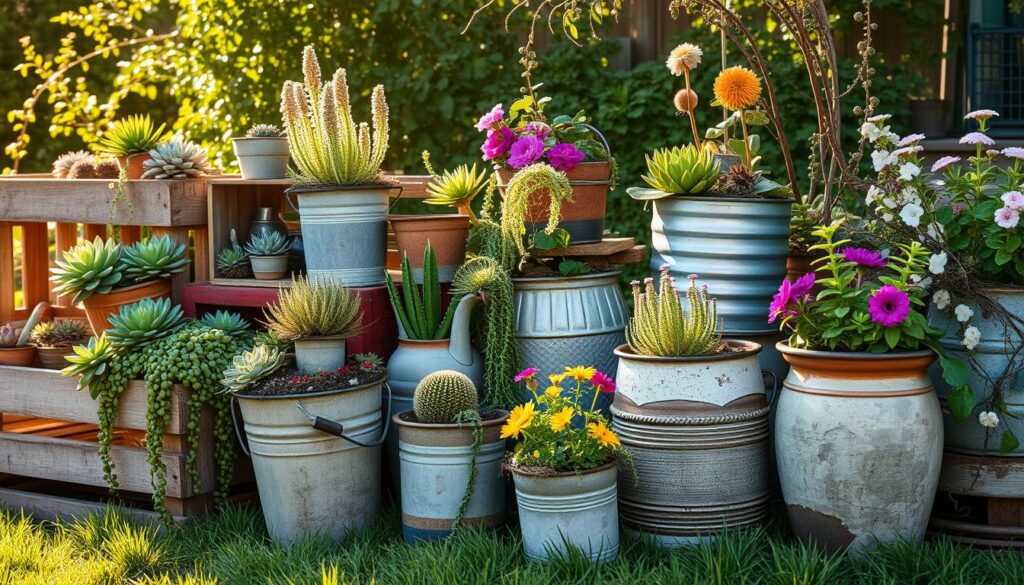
pixel 608 252
pixel 980 501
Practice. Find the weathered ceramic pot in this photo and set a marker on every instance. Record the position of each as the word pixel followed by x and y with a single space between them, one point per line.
pixel 583 218
pixel 24 355
pixel 992 358
pixel 565 509
pixel 436 462
pixel 100 307
pixel 52 358
pixel 262 157
pixel 321 353
pixel 858 439
pixel 269 267
pixel 697 428
pixel 447 235
pixel 134 164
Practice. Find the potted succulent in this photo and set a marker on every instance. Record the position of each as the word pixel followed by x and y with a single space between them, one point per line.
pixel 451 453
pixel 233 262
pixel 81 164
pixel 262 153
pixel 268 255
pixel 55 339
pixel 14 348
pixel 64 163
pixel 176 158
pixel 129 140
pixel 317 316
pixel 564 464
pixel 690 405
pixel 342 195
pixel 104 276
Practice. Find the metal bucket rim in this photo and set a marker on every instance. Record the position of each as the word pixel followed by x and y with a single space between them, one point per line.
pixel 319 338
pixel 749 348
pixel 730 199
pixel 554 279
pixel 614 462
pixel 325 189
pixel 380 383
pixel 784 347
pixel 397 419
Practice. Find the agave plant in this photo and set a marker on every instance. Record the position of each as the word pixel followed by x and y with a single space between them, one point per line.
pixel 251 366
pixel 678 171
pixel 175 159
pixel 456 188
pixel 90 362
pixel 267 244
pixel 263 131
pixel 154 259
pixel 131 135
pixel 311 308
pixel 58 334
pixel 421 315
pixel 89 268
pixel 230 323
pixel 660 326
pixel 143 322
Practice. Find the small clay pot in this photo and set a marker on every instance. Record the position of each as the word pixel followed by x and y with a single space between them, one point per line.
pixel 134 164
pixel 18 356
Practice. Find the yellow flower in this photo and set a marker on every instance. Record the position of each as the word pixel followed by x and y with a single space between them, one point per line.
pixel 602 433
pixel 737 88
pixel 581 373
pixel 561 419
pixel 536 453
pixel 519 419
pixel 683 58
pixel 553 391
pixel 556 379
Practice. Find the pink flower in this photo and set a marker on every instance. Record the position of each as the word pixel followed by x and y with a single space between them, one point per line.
pixel 863 257
pixel 565 156
pixel 908 140
pixel 977 138
pixel 889 306
pixel 498 142
pixel 526 151
pixel 603 382
pixel 526 374
pixel 803 285
pixel 1007 217
pixel 779 306
pixel 539 129
pixel 491 119
pixel 1013 200
pixel 944 162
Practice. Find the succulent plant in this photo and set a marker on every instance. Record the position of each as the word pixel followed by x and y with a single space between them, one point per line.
pixel 143 322
pixel 249 367
pixel 233 263
pixel 441 396
pixel 267 244
pixel 52 334
pixel 230 323
pixel 108 169
pixel 90 361
pixel 89 268
pixel 175 159
pixel 421 317
pixel 153 259
pixel 62 166
pixel 83 169
pixel 680 170
pixel 131 135
pixel 367 362
pixel 264 131
pixel 660 326
pixel 8 337
pixel 456 188
pixel 314 307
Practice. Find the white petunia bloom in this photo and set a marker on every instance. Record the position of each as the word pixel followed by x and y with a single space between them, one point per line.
pixel 909 195
pixel 911 214
pixel 963 313
pixel 941 299
pixel 887 217
pixel 937 263
pixel 881 159
pixel 972 336
pixel 988 419
pixel 870 131
pixel 908 171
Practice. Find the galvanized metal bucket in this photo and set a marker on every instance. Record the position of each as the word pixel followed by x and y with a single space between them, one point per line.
pixel 566 509
pixel 317 459
pixel 344 233
pixel 568 321
pixel 697 428
pixel 435 473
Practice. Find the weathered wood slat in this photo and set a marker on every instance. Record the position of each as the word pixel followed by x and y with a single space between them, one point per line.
pixel 605 247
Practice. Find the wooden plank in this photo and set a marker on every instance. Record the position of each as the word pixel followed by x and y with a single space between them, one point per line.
pixel 252 282
pixel 66 236
pixel 35 247
pixel 51 507
pixel 605 247
pixel 130 234
pixel 6 271
pixel 1006 511
pixel 631 256
pixel 91 231
pixel 201 262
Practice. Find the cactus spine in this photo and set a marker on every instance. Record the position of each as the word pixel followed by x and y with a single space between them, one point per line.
pixel 441 396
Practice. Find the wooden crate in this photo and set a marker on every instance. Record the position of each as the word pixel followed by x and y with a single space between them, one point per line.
pixel 48 436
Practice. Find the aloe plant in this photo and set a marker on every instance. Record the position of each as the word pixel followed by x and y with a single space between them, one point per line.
pixel 660 326
pixel 314 307
pixel 131 135
pixel 420 313
pixel 678 171
pixel 456 188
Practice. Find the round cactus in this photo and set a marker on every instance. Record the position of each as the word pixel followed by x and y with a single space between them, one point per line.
pixel 442 395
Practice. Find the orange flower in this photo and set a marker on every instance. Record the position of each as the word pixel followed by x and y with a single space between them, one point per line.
pixel 737 88
pixel 518 420
pixel 561 419
pixel 602 433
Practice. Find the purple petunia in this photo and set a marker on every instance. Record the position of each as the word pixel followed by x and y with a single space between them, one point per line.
pixel 526 151
pixel 863 257
pixel 779 306
pixel 498 142
pixel 491 119
pixel 889 306
pixel 803 285
pixel 540 129
pixel 564 156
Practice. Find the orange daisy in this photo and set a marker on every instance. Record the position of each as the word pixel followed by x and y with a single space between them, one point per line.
pixel 737 88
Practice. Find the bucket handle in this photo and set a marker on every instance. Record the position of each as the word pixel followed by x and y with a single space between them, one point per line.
pixel 243 442
pixel 600 136
pixel 335 428
pixel 288 198
pixel 773 396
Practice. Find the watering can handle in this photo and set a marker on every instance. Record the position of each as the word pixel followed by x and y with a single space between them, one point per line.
pixel 242 441
pixel 773 396
pixel 338 430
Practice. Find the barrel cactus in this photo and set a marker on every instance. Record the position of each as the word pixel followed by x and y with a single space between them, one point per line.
pixel 441 396
pixel 263 131
pixel 83 169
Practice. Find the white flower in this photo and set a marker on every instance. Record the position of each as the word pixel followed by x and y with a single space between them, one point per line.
pixel 879 118
pixel 907 140
pixel 683 58
pixel 972 336
pixel 909 195
pixel 908 171
pixel 920 282
pixel 1013 200
pixel 977 138
pixel 937 263
pixel 941 299
pixel 963 313
pixel 981 115
pixel 870 131
pixel 908 150
pixel 873 194
pixel 882 159
pixel 890 136
pixel 988 419
pixel 1007 217
pixel 889 202
pixel 911 214
pixel 887 217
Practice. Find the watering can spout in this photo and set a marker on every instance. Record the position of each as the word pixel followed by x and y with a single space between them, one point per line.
pixel 459 346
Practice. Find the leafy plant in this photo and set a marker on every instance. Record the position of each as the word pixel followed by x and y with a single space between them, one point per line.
pixel 442 395
pixel 314 307
pixel 264 131
pixel 175 159
pixel 130 135
pixel 251 366
pixel 456 188
pixel 325 143
pixel 228 322
pixel 572 268
pixel 367 362
pixel 421 315
pixel 680 170
pixel 661 326
pixel 267 244
pixel 8 337
pixel 143 322
pixel 87 269
pixel 54 334
pixel 153 259
pixel 526 186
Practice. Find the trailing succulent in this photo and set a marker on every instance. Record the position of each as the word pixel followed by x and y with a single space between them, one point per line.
pixel 529 183
pixel 52 334
pixel 176 159
pixel 250 366
pixel 314 307
pixel 267 244
pixel 421 316
pixel 661 326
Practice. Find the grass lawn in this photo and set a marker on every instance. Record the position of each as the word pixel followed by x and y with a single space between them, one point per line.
pixel 233 549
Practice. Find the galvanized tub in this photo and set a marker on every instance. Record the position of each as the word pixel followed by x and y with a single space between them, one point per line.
pixel 344 233
pixel 697 428
pixel 435 473
pixel 858 438
pixel 992 355
pixel 311 482
pixel 569 509
pixel 569 321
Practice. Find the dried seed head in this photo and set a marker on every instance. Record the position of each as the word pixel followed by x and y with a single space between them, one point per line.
pixel 686 100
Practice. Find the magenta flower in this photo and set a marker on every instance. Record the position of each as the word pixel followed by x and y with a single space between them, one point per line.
pixel 803 285
pixel 526 374
pixel 780 302
pixel 526 151
pixel 539 129
pixel 564 156
pixel 889 306
pixel 603 382
pixel 498 142
pixel 491 119
pixel 863 257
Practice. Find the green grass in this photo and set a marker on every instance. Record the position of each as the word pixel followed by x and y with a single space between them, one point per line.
pixel 233 548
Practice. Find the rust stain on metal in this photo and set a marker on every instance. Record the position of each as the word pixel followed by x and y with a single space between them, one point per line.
pixel 827 532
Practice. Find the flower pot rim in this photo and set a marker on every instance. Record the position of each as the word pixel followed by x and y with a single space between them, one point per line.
pixel 413 217
pixel 784 348
pixel 323 188
pixel 161 282
pixel 729 199
pixel 397 419
pixel 19 347
pixel 56 347
pixel 587 276
pixel 259 138
pixel 545 472
pixel 319 338
pixel 426 342
pixel 745 349
pixel 380 382
pixel 272 256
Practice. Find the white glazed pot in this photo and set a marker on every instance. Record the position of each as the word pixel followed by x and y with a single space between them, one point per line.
pixel 262 157
pixel 269 267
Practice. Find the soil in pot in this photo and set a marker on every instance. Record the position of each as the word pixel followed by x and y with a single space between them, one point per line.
pixel 290 382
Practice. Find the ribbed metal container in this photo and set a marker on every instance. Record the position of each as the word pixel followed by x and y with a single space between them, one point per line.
pixel 697 428
pixel 737 246
pixel 570 321
pixel 992 356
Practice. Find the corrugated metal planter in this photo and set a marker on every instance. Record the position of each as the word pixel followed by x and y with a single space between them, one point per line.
pixel 697 428
pixel 435 472
pixel 344 233
pixel 569 509
pixel 567 321
pixel 858 438
pixel 993 355
pixel 310 481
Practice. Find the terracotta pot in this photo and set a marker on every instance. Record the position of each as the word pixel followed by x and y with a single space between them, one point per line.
pixel 18 356
pixel 134 164
pixel 583 217
pixel 99 308
pixel 52 358
pixel 446 233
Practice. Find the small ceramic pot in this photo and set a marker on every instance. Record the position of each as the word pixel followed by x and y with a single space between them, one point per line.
pixel 447 235
pixel 52 358
pixel 18 356
pixel 323 353
pixel 269 267
pixel 262 157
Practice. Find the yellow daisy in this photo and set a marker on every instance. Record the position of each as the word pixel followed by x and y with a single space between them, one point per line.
pixel 553 391
pixel 581 373
pixel 602 433
pixel 518 420
pixel 556 379
pixel 737 88
pixel 561 419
